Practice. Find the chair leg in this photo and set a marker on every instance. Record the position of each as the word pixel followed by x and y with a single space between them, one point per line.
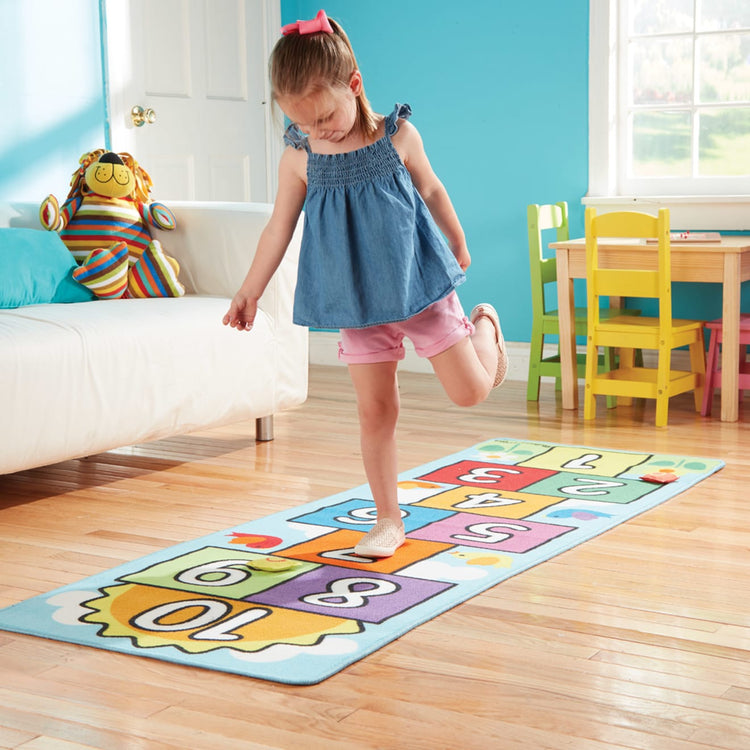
pixel 609 365
pixel 698 366
pixel 626 362
pixel 711 365
pixel 662 409
pixel 662 388
pixel 744 370
pixel 535 358
pixel 592 365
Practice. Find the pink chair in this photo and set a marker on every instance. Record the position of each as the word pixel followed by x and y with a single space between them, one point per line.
pixel 713 371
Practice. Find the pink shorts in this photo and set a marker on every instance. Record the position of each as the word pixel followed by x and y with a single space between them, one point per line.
pixel 432 331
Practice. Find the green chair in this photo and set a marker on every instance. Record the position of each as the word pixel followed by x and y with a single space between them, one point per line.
pixel 545 320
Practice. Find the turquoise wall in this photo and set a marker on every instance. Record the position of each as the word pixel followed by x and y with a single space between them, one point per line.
pixel 499 93
pixel 53 94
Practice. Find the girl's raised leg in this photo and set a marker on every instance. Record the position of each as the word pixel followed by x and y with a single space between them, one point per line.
pixel 469 369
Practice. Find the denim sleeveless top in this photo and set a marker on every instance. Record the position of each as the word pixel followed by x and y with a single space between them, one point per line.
pixel 371 252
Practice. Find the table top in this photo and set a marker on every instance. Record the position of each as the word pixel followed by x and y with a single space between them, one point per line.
pixel 728 244
pixel 691 261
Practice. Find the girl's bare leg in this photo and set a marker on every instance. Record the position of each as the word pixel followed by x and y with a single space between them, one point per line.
pixel 467 369
pixel 376 386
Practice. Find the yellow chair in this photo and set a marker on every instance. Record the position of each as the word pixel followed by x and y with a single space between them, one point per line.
pixel 662 334
pixel 545 321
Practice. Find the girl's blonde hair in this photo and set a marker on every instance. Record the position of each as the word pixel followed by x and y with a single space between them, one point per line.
pixel 303 62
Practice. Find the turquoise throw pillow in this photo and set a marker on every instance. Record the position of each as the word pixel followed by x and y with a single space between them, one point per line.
pixel 36 267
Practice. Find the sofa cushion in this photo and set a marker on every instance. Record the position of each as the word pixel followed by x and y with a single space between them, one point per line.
pixel 130 370
pixel 36 268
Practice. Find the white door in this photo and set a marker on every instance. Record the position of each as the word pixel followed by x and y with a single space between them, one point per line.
pixel 198 69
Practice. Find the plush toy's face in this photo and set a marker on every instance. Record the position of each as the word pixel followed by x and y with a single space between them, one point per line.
pixel 110 177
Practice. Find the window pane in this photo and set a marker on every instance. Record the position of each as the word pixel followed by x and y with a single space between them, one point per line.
pixel 724 142
pixel 662 71
pixel 661 16
pixel 724 68
pixel 661 144
pixel 724 14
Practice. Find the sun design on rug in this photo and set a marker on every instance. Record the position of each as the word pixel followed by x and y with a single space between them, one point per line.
pixel 152 617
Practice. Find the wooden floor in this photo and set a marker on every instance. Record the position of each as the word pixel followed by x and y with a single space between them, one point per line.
pixel 637 639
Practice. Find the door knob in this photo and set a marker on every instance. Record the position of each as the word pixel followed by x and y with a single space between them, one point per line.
pixel 141 116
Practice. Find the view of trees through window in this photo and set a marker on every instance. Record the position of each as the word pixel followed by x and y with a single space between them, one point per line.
pixel 686 92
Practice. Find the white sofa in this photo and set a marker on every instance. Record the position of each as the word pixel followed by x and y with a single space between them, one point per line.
pixel 81 378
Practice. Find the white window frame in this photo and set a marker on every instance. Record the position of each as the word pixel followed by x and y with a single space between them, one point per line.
pixel 712 212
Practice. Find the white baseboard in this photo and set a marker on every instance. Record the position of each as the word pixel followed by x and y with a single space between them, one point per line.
pixel 324 351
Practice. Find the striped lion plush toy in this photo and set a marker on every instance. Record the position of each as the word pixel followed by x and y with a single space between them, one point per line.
pixel 105 222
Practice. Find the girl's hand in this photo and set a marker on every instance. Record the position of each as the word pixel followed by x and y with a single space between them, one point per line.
pixel 463 258
pixel 273 241
pixel 241 313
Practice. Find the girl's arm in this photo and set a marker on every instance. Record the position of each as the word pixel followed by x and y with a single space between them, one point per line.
pixel 409 144
pixel 274 240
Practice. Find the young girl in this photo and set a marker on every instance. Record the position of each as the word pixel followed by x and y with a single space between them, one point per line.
pixel 373 261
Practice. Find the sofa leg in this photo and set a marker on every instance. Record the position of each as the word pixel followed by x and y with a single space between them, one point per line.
pixel 264 428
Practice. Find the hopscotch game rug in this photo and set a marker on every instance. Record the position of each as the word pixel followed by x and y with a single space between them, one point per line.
pixel 284 598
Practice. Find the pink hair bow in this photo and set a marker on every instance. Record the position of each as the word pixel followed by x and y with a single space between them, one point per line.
pixel 319 23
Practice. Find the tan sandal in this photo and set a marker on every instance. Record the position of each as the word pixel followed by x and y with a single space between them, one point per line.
pixel 485 310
